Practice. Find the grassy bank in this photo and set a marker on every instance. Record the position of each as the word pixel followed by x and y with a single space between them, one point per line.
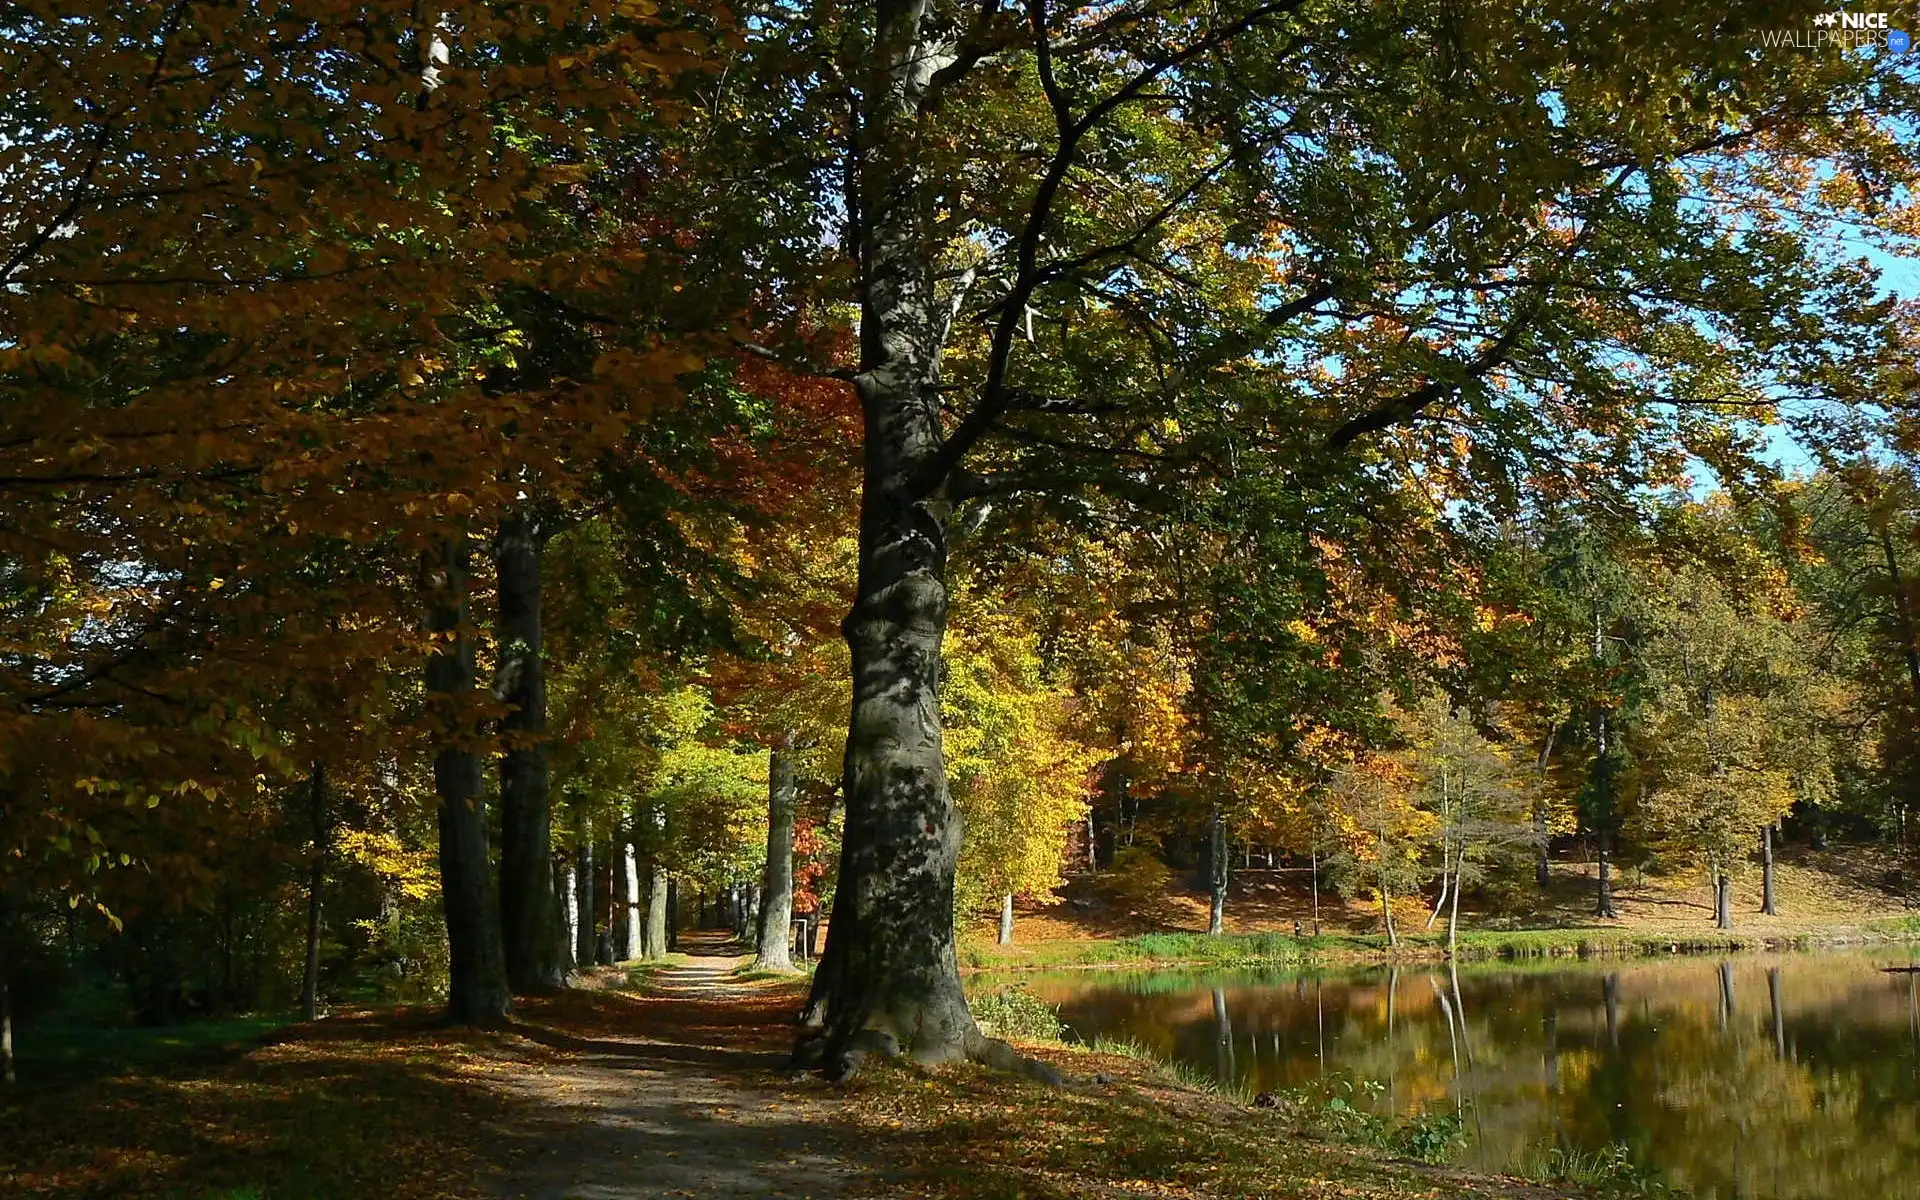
pixel 1283 949
pixel 1130 1126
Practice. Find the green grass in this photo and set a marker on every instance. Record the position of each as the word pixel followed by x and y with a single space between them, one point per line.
pixel 59 1049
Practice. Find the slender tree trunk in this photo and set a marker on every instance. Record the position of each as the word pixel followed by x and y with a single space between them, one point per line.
pixel 1542 874
pixel 1453 910
pixel 630 924
pixel 1006 919
pixel 1217 874
pixel 1723 899
pixel 670 918
pixel 1779 1025
pixel 775 933
pixel 567 901
pixel 1610 988
pixel 7 1074
pixel 1440 901
pixel 1314 855
pixel 658 935
pixel 583 892
pixel 1766 870
pixel 1386 912
pixel 1603 906
pixel 528 923
pixel 477 978
pixel 316 882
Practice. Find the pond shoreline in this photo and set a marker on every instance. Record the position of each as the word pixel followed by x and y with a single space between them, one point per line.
pixel 1188 950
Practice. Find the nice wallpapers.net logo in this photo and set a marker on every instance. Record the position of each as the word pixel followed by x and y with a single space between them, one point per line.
pixel 1842 31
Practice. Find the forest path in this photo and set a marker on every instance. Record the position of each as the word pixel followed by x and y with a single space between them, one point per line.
pixel 683 1090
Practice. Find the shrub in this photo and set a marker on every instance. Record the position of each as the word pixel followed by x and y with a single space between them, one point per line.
pixel 1014 1012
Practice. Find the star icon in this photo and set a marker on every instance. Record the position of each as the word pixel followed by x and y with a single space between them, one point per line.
pixel 1825 18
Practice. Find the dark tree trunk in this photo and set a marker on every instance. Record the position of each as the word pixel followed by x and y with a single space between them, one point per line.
pixel 775 933
pixel 672 915
pixel 316 883
pixel 1722 900
pixel 1903 610
pixel 1766 870
pixel 7 1073
pixel 1217 865
pixel 477 978
pixel 1603 901
pixel 1779 1025
pixel 1542 876
pixel 890 981
pixel 535 962
pixel 1610 987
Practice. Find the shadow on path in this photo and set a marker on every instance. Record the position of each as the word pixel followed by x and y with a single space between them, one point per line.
pixel 682 1091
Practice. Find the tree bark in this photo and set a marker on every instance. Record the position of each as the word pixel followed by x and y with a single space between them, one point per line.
pixel 477 979
pixel 1217 874
pixel 567 901
pixel 1386 911
pixel 1315 857
pixel 890 981
pixel 657 938
pixel 628 921
pixel 1766 870
pixel 1723 900
pixel 528 922
pixel 584 917
pixel 1453 911
pixel 1006 919
pixel 670 918
pixel 1603 902
pixel 316 882
pixel 773 938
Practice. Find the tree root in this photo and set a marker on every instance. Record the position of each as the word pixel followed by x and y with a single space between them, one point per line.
pixel 811 1053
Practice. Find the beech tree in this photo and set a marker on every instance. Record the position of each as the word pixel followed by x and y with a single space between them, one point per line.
pixel 1468 224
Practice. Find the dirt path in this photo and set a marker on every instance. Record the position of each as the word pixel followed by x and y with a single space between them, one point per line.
pixel 672 1094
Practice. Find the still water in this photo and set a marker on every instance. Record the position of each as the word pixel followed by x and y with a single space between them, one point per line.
pixel 1764 1077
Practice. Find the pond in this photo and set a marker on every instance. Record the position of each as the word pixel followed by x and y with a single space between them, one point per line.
pixel 1765 1077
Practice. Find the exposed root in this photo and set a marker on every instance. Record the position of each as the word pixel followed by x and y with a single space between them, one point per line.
pixel 994 1053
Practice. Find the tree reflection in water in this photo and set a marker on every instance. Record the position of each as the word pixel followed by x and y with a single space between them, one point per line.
pixel 1816 1095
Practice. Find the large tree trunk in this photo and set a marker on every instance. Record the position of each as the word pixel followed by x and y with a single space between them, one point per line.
pixel 775 933
pixel 528 923
pixel 1217 874
pixel 477 977
pixel 889 981
pixel 1766 870
pixel 1722 899
pixel 316 882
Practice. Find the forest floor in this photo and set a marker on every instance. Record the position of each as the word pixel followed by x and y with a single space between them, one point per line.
pixel 678 1088
pixel 1843 894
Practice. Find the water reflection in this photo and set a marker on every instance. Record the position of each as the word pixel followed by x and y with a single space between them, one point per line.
pixel 1815 1093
